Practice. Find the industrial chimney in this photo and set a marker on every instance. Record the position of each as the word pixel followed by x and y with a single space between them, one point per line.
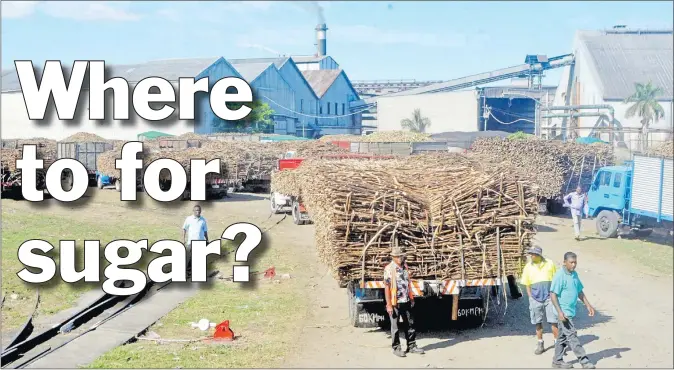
pixel 320 39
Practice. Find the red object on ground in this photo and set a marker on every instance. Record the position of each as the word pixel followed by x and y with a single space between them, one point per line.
pixel 223 332
pixel 270 272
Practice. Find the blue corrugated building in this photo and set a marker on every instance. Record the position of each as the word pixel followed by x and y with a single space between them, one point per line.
pixel 336 98
pixel 305 106
pixel 271 88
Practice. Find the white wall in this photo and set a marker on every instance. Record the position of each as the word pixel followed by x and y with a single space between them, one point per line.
pixel 451 111
pixel 589 92
pixel 16 125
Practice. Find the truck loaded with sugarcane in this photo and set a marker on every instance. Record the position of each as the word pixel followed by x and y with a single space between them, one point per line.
pixel 11 179
pixel 464 226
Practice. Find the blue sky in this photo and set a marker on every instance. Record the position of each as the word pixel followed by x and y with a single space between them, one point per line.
pixel 370 40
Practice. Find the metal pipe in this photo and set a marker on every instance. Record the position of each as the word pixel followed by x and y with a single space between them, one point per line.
pixel 573 115
pixel 574 107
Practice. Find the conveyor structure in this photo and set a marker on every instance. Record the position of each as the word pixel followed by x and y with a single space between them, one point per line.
pixel 533 69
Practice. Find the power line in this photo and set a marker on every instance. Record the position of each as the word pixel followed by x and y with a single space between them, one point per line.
pixel 313 116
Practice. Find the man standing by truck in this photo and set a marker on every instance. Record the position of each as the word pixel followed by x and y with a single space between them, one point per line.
pixel 576 201
pixel 399 303
pixel 565 290
pixel 537 277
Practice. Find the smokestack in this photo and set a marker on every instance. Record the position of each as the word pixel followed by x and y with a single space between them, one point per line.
pixel 321 30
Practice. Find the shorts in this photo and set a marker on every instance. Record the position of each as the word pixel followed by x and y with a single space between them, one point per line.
pixel 538 309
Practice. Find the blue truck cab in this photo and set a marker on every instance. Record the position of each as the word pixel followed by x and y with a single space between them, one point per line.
pixel 637 195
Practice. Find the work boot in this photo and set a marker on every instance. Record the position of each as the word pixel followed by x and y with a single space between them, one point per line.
pixel 414 349
pixel 588 365
pixel 540 348
pixel 562 365
pixel 399 352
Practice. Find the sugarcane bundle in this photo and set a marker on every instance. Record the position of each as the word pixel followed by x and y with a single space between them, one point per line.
pixel 84 137
pixel 665 149
pixel 8 158
pixel 105 163
pixel 381 137
pixel 184 157
pixel 553 166
pixel 447 211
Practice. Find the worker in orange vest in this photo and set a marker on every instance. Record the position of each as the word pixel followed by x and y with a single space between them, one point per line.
pixel 399 303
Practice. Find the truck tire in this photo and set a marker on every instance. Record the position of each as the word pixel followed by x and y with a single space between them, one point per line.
pixel 297 218
pixel 186 193
pixel 353 305
pixel 607 224
pixel 272 204
pixel 67 180
pixel 118 185
pixel 99 183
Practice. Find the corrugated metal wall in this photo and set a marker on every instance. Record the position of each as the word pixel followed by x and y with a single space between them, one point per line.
pixel 270 87
pixel 328 63
pixel 305 99
pixel 451 111
pixel 206 120
pixel 338 96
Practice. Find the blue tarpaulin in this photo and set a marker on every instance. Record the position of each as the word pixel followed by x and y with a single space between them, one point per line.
pixel 589 140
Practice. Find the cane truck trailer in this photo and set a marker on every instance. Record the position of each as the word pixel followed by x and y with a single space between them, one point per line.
pixel 633 197
pixel 461 301
pixel 11 181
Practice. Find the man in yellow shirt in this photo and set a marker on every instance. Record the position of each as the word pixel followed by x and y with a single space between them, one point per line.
pixel 537 277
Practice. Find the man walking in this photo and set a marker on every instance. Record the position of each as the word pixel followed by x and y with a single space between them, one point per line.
pixel 537 277
pixel 194 228
pixel 399 303
pixel 576 201
pixel 565 290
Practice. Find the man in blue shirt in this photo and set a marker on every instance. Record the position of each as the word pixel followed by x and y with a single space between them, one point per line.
pixel 565 291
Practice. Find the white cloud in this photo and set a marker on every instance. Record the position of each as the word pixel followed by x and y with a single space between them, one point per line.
pixel 75 10
pixel 18 9
pixel 374 35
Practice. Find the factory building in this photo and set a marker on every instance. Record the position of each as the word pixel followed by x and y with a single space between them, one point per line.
pixel 607 66
pixel 17 125
pixel 506 108
pixel 310 95
pixel 336 99
pixel 270 87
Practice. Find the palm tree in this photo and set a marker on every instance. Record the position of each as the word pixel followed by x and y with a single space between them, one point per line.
pixel 646 106
pixel 418 123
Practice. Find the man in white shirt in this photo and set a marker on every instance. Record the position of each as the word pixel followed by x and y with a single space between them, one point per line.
pixel 194 228
pixel 576 202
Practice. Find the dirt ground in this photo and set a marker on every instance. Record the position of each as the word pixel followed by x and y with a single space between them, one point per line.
pixel 632 326
pixel 633 299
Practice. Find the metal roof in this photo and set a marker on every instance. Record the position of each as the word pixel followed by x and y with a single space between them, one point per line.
pixel 308 58
pixel 278 62
pixel 321 80
pixel 623 59
pixel 169 69
pixel 248 69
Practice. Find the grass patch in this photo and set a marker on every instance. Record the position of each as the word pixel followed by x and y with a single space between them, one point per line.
pixel 19 226
pixel 263 318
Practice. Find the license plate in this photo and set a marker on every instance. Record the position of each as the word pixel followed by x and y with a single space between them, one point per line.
pixel 215 186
